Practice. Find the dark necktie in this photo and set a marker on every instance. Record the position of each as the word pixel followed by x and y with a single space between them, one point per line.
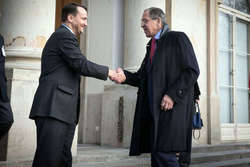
pixel 152 49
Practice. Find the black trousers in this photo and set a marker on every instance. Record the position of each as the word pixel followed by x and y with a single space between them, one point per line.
pixel 184 159
pixel 161 159
pixel 4 128
pixel 54 141
pixel 6 118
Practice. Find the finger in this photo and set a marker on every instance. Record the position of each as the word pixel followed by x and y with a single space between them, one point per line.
pixel 112 77
pixel 170 105
pixel 119 70
pixel 118 81
pixel 164 99
pixel 166 107
pixel 162 105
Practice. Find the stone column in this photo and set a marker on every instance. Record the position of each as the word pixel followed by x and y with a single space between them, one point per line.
pixel 135 39
pixel 213 99
pixel 26 25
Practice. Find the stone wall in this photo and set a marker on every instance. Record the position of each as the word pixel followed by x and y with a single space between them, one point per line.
pixel 118 107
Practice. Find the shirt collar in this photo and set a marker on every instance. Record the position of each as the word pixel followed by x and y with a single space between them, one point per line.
pixel 68 28
pixel 157 36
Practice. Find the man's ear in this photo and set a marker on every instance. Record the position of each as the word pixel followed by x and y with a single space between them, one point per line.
pixel 158 20
pixel 70 18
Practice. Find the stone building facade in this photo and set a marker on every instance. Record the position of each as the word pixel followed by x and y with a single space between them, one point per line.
pixel 218 30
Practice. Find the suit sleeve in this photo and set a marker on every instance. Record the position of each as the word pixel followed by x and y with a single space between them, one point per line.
pixel 3 81
pixel 190 69
pixel 71 53
pixel 134 79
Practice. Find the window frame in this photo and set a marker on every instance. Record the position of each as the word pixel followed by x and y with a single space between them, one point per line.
pixel 244 17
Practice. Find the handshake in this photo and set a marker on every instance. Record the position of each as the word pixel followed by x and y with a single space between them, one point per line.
pixel 117 76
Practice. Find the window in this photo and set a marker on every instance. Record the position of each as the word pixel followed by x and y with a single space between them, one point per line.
pixel 234 71
pixel 225 69
pixel 240 5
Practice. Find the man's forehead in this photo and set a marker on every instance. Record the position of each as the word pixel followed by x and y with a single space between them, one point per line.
pixel 81 9
pixel 145 14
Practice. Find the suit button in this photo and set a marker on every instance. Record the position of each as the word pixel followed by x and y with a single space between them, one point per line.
pixel 180 92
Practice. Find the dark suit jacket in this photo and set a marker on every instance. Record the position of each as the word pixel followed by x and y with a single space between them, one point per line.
pixel 174 71
pixel 3 84
pixel 57 95
pixel 6 116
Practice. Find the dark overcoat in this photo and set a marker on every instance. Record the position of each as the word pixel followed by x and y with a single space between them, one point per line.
pixel 174 71
pixel 6 115
pixel 57 95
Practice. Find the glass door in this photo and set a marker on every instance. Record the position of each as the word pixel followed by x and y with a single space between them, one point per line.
pixel 233 74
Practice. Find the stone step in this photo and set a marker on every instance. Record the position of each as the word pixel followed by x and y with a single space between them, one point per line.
pixel 198 158
pixel 19 163
pixel 237 158
pixel 138 162
pixel 102 156
pixel 221 147
pixel 96 154
pixel 244 162
pixel 117 157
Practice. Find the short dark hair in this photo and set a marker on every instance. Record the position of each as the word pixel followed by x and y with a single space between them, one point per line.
pixel 155 13
pixel 70 8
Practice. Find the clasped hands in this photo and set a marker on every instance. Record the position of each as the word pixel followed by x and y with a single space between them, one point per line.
pixel 117 76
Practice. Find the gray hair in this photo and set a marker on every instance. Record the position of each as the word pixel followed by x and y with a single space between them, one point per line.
pixel 155 13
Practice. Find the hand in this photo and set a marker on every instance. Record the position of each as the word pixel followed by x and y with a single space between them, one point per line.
pixel 167 103
pixel 112 74
pixel 119 77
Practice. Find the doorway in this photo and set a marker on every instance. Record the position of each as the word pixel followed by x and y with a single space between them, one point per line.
pixel 59 5
pixel 234 46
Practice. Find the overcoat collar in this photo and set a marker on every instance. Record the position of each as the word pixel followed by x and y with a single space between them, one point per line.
pixel 165 29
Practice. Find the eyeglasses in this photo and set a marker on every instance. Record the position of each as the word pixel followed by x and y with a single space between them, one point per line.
pixel 145 21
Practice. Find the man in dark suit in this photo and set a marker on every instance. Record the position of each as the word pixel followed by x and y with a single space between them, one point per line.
pixel 165 101
pixel 6 116
pixel 55 107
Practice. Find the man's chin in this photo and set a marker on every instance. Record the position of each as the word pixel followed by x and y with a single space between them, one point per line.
pixel 81 31
pixel 147 35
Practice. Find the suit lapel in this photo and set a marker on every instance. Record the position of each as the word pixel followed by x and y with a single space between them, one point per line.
pixel 73 35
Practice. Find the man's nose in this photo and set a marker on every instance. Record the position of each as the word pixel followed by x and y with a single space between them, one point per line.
pixel 142 24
